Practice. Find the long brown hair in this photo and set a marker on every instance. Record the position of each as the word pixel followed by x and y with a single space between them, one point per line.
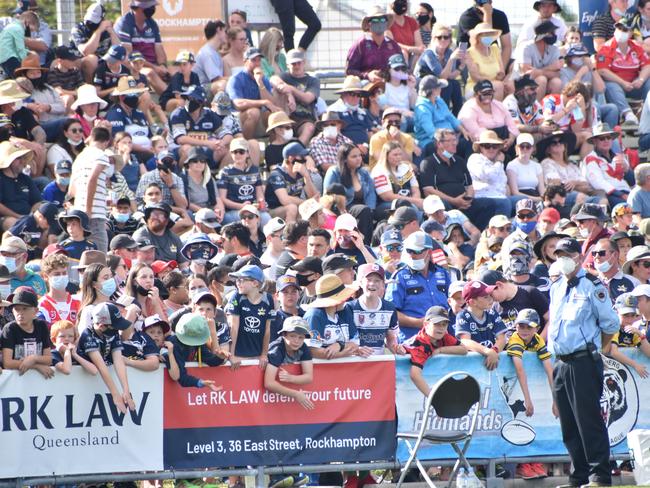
pixel 89 278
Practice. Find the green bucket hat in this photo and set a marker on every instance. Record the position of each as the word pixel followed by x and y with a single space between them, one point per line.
pixel 192 330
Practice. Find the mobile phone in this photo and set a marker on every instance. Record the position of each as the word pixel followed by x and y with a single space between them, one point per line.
pixel 463 47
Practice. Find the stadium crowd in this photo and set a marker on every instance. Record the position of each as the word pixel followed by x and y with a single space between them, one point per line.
pixel 218 208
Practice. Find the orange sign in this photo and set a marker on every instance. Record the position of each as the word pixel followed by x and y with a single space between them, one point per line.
pixel 181 22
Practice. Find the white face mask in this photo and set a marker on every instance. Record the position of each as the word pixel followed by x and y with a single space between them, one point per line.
pixel 566 265
pixel 287 134
pixel 415 264
pixel 89 118
pixel 330 132
pixel 5 290
pixel 584 232
pixel 603 267
pixel 621 36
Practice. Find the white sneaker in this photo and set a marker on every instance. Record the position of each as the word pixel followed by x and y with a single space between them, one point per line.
pixel 631 119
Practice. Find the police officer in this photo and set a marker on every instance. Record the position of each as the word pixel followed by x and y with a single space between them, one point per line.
pixel 418 286
pixel 581 322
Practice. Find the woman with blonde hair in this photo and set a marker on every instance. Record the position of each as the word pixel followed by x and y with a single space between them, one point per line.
pixel 233 62
pixel 484 60
pixel 274 61
pixel 394 178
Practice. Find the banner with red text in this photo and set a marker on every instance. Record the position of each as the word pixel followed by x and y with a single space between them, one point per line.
pixel 245 424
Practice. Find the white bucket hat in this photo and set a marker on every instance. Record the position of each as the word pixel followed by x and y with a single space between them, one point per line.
pixel 87 94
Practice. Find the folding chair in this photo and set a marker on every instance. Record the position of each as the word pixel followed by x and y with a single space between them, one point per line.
pixel 451 398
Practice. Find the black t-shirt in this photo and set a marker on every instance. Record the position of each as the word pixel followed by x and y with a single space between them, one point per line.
pixel 283 262
pixel 278 353
pixel 471 17
pixel 23 343
pixel 273 154
pixel 104 78
pixel 24 122
pixel 526 297
pixel 450 179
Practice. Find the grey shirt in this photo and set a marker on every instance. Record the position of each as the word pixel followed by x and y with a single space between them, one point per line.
pixel 532 56
pixel 168 245
pixel 567 74
pixel 307 84
pixel 209 64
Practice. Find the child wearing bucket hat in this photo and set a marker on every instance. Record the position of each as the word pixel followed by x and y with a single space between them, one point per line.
pixel 290 348
pixel 189 344
pixel 334 334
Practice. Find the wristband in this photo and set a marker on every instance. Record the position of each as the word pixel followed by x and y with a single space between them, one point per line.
pixel 341 346
pixel 200 384
pixel 495 349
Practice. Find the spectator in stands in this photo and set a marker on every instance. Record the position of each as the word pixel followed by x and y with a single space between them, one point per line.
pixel 621 216
pixel 392 120
pixel 76 231
pixel 390 251
pixel 405 30
pixel 604 169
pixel 526 110
pixel 13 255
pixel 540 59
pixel 308 271
pixel 125 116
pixel 56 190
pixel 394 178
pixel 287 183
pixel 484 13
pixel 280 129
pixel 446 63
pixel 484 60
pixel 39 228
pixel 39 40
pixel 488 338
pixel 483 112
pixel 233 61
pixel 368 56
pixel 434 209
pixel 591 223
pixel 65 336
pixel 64 75
pixel 325 145
pixel 180 82
pixel 239 19
pixel 199 185
pixel 171 185
pixel 109 70
pixel 426 20
pixel 629 336
pixel 358 123
pixel 606 260
pixel 318 243
pixel 639 197
pixel 546 11
pixel 274 247
pixel 68 146
pixel 158 231
pixel 236 239
pixel 625 67
pixel 140 285
pixel 525 175
pixel 420 273
pixel 26 342
pixel 603 26
pixel 138 31
pixel 250 217
pixel 251 94
pixel 209 64
pixel 125 161
pixel 399 90
pixel 311 210
pixel 349 241
pixel 12 41
pixel 274 61
pixel 86 109
pixel 300 92
pixel 290 348
pixel 19 195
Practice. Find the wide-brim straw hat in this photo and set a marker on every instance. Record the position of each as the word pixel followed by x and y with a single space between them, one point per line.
pixel 31 61
pixel 602 129
pixel 637 253
pixel 487 137
pixel 10 151
pixel 484 28
pixel 376 11
pixel 330 292
pixel 87 94
pixel 127 85
pixel 278 119
pixel 351 84
pixel 10 92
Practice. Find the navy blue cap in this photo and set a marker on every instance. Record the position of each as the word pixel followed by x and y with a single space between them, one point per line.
pixel 294 149
pixel 196 92
pixel 115 54
pixel 567 245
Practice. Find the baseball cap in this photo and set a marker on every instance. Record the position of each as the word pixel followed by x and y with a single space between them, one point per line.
pixel 122 241
pixel 641 291
pixel 294 149
pixel 392 236
pixel 526 204
pixel 336 262
pixel 309 207
pixel 222 104
pixel 499 221
pixel 13 244
pixel 483 86
pixel 310 264
pixel 203 295
pixel 345 222
pixel 436 314
pixel 238 143
pixel 49 211
pixel 528 316
pixel 567 245
pixel 94 13
pixel 525 138
pixel 159 266
pixel 67 52
pixel 156 320
pixel 432 203
pixel 403 215
pixel 63 167
pixel 590 211
pixel 252 53
pixel 418 241
pixel 295 56
pixel 370 268
pixel 476 289
pixel 550 215
pixel 431 225
pixel 296 324
pixel 285 281
pixel 455 287
pixel 54 248
pixel 115 54
pixel 184 57
pixel 274 225
pixel 250 208
pixel 143 243
pixel 249 271
pixel 207 217
pixel 491 277
pixel 136 56
pixel 108 314
pixel 24 295
pixel 626 303
pixel 162 155
pixel 577 49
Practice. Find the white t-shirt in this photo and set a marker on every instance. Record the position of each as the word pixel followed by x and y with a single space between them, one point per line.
pixel 397 96
pixel 404 179
pixel 527 174
pixel 82 168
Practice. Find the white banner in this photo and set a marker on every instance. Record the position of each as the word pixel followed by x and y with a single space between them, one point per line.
pixel 69 425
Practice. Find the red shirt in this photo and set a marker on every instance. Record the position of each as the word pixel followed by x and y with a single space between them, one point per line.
pixel 53 311
pixel 421 346
pixel 627 65
pixel 405 33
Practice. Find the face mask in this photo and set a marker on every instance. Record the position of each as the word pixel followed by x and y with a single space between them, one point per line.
pixel 74 143
pixel 526 227
pixel 64 181
pixel 89 118
pixel 619 12
pixel 59 282
pixel 382 100
pixel 303 280
pixel 27 170
pixel 193 105
pixel 550 40
pixel 148 12
pixel 110 332
pixel 351 107
pixel 566 265
pixel 108 287
pixel 447 154
pixel 330 132
pixel 621 36
pixel 38 83
pixel 584 232
pixel 287 134
pixel 518 265
pixel 18 105
pixel 399 8
pixel 415 264
pixel 603 267
pixel 122 218
pixel 5 290
pixel 140 290
pixel 487 41
pixel 378 27
pixel 399 75
pixel 578 62
pixel 423 19
pixel 131 102
pixel 10 263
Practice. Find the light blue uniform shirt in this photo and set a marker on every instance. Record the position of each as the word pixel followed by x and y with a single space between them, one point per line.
pixel 579 314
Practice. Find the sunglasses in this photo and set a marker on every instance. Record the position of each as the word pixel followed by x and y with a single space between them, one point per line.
pixel 645 264
pixel 238 151
pixel 301 161
pixel 526 216
pixel 248 216
pixel 486 94
pixel 76 131
pixel 525 146
pixel 413 251
pixel 394 248
pixel 505 228
pixel 491 146
pixel 555 142
pixel 443 37
pixel 601 254
pixel 633 314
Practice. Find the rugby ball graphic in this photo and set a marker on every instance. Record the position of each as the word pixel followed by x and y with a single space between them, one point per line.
pixel 518 432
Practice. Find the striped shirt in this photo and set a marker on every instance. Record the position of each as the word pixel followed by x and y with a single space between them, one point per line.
pixel 82 169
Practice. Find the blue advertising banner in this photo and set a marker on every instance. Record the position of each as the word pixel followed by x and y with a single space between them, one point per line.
pixel 588 11
pixel 503 429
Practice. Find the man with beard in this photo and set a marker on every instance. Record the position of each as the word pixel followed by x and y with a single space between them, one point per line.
pixel 158 231
pixel 525 109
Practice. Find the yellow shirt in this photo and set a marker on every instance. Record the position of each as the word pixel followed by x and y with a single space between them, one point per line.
pixel 380 138
pixel 489 66
pixel 516 347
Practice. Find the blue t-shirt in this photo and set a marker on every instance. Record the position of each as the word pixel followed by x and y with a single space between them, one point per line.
pixel 52 193
pixel 279 178
pixel 373 325
pixel 140 346
pixel 131 173
pixel 90 341
pixel 253 321
pixel 325 331
pixel 354 253
pixel 181 123
pixel 485 332
pixel 243 85
pixel 278 354
pixel 19 194
pixel 76 248
pixel 81 35
pixel 136 124
pixel 240 185
pixel 104 78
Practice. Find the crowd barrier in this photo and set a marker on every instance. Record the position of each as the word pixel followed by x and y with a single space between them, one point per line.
pixel 69 425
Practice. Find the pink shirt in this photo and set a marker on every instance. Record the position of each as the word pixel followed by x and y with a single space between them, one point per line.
pixel 475 120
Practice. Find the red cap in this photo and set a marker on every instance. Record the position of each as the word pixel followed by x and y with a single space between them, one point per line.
pixel 367 269
pixel 551 215
pixel 160 266
pixel 54 249
pixel 476 289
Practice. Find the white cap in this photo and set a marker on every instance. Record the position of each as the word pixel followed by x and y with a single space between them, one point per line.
pixel 525 138
pixel 432 204
pixel 274 225
pixel 641 291
pixel 94 13
pixel 308 208
pixel 250 208
pixel 345 222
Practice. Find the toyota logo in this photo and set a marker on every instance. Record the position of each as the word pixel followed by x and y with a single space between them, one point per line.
pixel 252 322
pixel 246 190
